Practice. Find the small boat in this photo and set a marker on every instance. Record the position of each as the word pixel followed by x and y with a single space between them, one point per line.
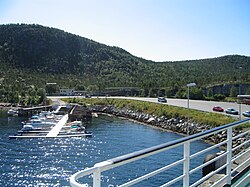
pixel 75 126
pixel 39 122
pixel 39 128
pixel 12 112
pixel 43 117
pixel 28 128
pixel 74 123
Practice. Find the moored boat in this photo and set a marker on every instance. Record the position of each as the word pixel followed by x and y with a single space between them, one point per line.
pixel 12 112
pixel 38 126
pixel 60 135
pixel 39 123
pixel 27 128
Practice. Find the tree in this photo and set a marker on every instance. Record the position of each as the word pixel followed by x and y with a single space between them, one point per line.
pixel 51 88
pixel 196 93
pixel 233 91
pixel 13 97
pixel 210 92
pixel 42 94
pixel 248 91
pixel 92 89
pixel 219 97
pixel 151 93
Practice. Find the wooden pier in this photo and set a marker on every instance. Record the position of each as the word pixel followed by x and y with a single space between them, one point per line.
pixel 33 110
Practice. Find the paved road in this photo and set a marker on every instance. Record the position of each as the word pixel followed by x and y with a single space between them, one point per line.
pixel 194 104
pixel 198 104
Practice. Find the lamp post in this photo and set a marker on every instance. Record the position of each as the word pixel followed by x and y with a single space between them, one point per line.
pixel 189 85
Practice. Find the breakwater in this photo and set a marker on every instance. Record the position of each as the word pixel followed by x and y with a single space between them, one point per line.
pixel 177 125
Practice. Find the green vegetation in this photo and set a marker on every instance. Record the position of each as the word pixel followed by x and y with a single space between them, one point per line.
pixel 33 55
pixel 209 118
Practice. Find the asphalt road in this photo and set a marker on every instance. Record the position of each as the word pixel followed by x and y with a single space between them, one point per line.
pixel 193 104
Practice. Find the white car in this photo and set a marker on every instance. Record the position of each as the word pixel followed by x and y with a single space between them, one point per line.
pixel 162 99
pixel 231 111
pixel 246 114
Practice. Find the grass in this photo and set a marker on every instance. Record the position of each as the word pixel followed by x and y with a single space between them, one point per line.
pixel 208 118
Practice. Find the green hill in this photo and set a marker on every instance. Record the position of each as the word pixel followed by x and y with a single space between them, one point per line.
pixel 35 55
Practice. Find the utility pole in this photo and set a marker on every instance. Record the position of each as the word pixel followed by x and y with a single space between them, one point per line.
pixel 188 85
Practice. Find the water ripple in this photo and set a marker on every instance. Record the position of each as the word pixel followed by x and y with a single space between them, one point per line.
pixel 50 162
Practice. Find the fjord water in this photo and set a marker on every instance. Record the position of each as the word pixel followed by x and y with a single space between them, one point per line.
pixel 50 162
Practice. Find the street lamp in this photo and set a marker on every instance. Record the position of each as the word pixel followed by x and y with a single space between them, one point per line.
pixel 189 85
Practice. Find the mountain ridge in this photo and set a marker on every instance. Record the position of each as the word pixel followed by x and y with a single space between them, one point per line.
pixel 36 49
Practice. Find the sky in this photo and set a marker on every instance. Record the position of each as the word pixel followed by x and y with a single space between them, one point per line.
pixel 158 30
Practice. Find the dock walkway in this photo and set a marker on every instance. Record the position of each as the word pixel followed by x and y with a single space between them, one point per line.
pixel 56 129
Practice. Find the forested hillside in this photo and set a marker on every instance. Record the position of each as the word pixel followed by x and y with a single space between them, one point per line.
pixel 35 55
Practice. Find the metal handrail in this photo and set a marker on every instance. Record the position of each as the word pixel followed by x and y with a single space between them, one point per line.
pixel 124 159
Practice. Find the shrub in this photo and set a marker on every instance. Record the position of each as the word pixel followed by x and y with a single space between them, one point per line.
pixel 219 97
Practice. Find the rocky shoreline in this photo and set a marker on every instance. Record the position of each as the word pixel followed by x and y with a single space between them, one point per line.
pixel 5 106
pixel 175 125
pixel 179 126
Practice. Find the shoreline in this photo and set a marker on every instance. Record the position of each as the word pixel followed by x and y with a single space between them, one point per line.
pixel 175 125
pixel 159 128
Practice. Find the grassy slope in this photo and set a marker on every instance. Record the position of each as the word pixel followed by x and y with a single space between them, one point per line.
pixel 208 118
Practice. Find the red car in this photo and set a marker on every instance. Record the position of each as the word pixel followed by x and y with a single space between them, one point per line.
pixel 218 109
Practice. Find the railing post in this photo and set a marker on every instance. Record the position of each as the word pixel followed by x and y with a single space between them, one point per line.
pixel 97 178
pixel 229 155
pixel 186 164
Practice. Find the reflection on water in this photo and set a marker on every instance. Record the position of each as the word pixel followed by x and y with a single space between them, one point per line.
pixel 50 162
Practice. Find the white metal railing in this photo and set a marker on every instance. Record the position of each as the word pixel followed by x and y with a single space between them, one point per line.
pixel 98 168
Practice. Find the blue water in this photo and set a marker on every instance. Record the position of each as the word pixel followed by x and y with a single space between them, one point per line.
pixel 50 162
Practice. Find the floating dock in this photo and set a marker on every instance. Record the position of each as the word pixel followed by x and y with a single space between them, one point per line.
pixel 56 129
pixel 33 110
pixel 54 132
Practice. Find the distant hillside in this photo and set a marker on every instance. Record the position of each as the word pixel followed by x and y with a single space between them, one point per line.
pixel 34 54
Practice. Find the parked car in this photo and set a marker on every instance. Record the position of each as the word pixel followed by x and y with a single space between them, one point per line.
pixel 218 109
pixel 246 101
pixel 87 96
pixel 231 111
pixel 246 114
pixel 162 99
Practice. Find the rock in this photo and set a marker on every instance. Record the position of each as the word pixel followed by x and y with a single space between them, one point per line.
pixel 152 119
pixel 174 124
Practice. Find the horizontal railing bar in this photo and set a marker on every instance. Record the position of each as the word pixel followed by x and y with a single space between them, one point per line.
pixel 243 180
pixel 219 181
pixel 209 162
pixel 240 165
pixel 177 142
pixel 240 155
pixel 237 147
pixel 242 134
pixel 208 176
pixel 113 165
pixel 173 181
pixel 80 174
pixel 152 173
pixel 208 149
pixel 117 161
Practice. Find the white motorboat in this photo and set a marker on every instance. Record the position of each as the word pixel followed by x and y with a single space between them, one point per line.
pixel 30 128
pixel 39 122
pixel 12 112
